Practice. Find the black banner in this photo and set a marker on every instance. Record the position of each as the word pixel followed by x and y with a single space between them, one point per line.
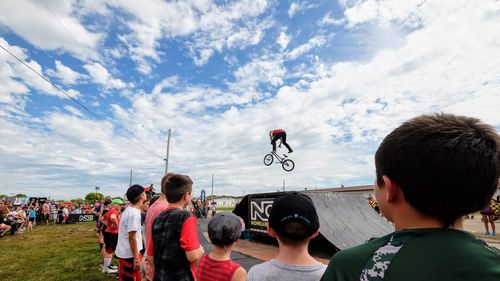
pixel 81 218
pixel 259 213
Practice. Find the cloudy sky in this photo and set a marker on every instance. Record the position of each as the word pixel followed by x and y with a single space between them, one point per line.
pixel 336 75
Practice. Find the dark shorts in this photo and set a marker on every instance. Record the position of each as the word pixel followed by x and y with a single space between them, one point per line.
pixel 126 270
pixel 46 217
pixel 32 219
pixel 110 241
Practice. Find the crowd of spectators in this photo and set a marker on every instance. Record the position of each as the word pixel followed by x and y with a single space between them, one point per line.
pixel 15 219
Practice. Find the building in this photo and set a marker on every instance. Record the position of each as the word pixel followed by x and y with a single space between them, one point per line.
pixel 225 201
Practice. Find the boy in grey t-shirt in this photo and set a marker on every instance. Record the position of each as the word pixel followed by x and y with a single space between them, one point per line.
pixel 294 222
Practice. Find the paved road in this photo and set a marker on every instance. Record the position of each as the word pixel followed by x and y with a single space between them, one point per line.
pixel 245 261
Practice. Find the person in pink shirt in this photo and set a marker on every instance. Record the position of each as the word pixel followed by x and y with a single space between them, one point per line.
pixel 154 211
pixel 46 212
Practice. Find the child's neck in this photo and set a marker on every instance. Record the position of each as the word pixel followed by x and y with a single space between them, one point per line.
pixel 138 205
pixel 178 205
pixel 219 254
pixel 298 254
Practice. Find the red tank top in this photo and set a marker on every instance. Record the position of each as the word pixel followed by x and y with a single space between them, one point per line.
pixel 212 270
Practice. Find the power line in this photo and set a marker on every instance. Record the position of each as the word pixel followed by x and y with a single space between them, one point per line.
pixel 60 23
pixel 50 82
pixel 76 101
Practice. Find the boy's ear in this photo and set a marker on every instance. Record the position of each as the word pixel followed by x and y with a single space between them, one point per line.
pixel 270 231
pixel 185 197
pixel 314 234
pixel 393 192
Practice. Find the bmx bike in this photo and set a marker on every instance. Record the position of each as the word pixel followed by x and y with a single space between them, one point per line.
pixel 287 164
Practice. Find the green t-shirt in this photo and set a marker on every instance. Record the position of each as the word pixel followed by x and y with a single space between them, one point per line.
pixel 425 255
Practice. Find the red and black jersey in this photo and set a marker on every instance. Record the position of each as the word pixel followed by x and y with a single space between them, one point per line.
pixel 174 233
pixel 275 132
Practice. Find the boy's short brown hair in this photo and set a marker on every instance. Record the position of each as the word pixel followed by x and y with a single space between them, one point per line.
pixel 447 166
pixel 175 186
pixel 163 180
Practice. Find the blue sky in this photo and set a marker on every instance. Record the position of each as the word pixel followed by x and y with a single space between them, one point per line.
pixel 336 75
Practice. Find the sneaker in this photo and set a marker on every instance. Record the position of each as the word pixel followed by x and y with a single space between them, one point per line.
pixel 290 151
pixel 493 234
pixel 109 270
pixel 113 267
pixel 274 151
pixel 486 233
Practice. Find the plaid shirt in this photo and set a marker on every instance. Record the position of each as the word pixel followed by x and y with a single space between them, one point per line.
pixel 171 263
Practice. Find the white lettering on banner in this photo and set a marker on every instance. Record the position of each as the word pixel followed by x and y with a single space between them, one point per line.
pixel 259 209
pixel 86 218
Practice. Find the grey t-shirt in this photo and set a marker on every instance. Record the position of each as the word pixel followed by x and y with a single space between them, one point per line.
pixel 274 270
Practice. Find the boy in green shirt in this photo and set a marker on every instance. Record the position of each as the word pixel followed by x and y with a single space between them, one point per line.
pixel 431 171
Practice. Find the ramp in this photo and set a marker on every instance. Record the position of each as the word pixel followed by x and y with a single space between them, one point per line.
pixel 346 219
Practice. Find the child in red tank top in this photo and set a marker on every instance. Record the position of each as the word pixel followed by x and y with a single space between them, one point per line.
pixel 224 229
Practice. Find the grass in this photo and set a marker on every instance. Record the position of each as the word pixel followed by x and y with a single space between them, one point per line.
pixel 60 252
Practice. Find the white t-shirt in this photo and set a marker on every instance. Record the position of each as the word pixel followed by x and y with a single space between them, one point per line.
pixel 130 220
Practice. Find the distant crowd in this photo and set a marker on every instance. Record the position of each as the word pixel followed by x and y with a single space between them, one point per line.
pixel 15 219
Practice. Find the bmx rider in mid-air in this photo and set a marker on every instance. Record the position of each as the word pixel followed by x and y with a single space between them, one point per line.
pixel 279 134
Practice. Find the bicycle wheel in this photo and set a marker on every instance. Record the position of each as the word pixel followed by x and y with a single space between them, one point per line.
pixel 268 159
pixel 288 165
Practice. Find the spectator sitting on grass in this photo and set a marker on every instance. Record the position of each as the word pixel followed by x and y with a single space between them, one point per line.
pixel 431 171
pixel 4 222
pixel 224 230
pixel 294 222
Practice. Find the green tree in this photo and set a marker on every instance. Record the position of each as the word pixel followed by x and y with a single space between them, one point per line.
pixel 3 196
pixel 21 195
pixel 78 201
pixel 93 196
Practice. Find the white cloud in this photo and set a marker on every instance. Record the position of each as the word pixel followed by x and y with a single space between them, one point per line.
pixel 283 40
pixel 314 42
pixel 409 13
pixel 203 56
pixel 66 74
pixel 296 7
pixel 101 76
pixel 335 114
pixel 212 27
pixel 17 79
pixel 329 20
pixel 260 71
pixel 62 32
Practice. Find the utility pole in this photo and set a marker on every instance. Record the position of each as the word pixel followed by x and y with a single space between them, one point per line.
pixel 168 151
pixel 130 178
pixel 212 186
